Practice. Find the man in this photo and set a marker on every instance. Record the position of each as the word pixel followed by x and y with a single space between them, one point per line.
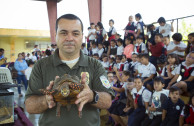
pixel 3 59
pixel 69 59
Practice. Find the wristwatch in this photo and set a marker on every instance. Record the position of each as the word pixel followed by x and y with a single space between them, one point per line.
pixel 95 98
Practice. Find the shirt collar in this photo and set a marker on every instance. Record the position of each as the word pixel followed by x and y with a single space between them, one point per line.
pixel 83 60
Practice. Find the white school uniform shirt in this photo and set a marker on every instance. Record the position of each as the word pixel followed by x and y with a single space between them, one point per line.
pixel 133 64
pixel 94 50
pixel 172 72
pixel 139 26
pixel 100 52
pixel 33 58
pixel 105 64
pixel 28 72
pixel 181 45
pixel 124 85
pixel 103 32
pixel 147 70
pixel 167 28
pixel 113 31
pixel 183 63
pixel 146 96
pixel 120 50
pixel 92 37
pixel 143 47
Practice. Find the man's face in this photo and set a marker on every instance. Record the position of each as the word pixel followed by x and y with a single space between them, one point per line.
pixel 69 36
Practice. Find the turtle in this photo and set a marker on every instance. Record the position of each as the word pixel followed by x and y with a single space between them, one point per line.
pixel 65 91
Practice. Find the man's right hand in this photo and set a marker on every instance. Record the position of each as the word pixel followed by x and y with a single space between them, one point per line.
pixel 49 98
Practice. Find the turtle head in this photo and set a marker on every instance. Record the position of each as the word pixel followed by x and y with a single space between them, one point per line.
pixel 65 91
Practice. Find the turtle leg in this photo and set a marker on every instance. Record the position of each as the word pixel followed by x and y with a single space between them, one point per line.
pixel 48 92
pixel 58 113
pixel 79 112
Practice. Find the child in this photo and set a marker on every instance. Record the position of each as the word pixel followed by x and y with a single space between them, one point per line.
pixel 29 69
pixel 100 50
pixel 177 46
pixel 138 65
pixel 124 63
pixel 118 61
pixel 172 108
pixel 94 48
pixel 166 41
pixel 112 31
pixel 83 48
pixel 140 24
pixel 159 96
pixel 157 50
pixel 112 50
pixel 111 63
pixel 187 115
pixel 91 34
pixel 128 48
pixel 186 71
pixel 190 45
pixel 121 104
pixel 164 28
pixel 130 28
pixel 147 71
pixel 120 47
pixel 170 69
pixel 140 47
pixel 96 56
pixel 132 64
pixel 141 97
pixel 101 36
pixel 105 62
pixel 151 34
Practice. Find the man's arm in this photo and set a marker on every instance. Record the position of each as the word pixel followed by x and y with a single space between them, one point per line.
pixel 38 104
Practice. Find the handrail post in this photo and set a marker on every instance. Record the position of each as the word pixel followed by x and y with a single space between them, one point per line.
pixel 177 25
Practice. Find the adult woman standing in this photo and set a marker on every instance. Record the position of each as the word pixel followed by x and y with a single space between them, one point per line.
pixel 21 65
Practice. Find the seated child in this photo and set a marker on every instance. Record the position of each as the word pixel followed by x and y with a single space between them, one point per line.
pixel 120 47
pixel 186 71
pixel 147 71
pixel 170 69
pixel 94 48
pixel 138 65
pixel 84 49
pixel 96 56
pixel 112 63
pixel 128 48
pixel 118 61
pixel 105 62
pixel 157 50
pixel 117 111
pixel 124 63
pixel 166 41
pixel 187 115
pixel 141 97
pixel 29 69
pixel 172 107
pixel 131 66
pixel 140 47
pixel 177 46
pixel 100 50
pixel 112 49
pixel 160 95
pixel 190 45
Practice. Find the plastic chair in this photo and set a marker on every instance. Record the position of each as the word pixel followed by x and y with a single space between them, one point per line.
pixel 5 75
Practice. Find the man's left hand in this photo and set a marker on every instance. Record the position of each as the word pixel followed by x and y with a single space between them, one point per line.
pixel 84 96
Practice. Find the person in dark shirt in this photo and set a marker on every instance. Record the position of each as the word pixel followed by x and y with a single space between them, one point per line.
pixel 172 108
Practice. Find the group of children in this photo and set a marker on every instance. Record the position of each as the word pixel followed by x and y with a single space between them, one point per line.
pixel 144 107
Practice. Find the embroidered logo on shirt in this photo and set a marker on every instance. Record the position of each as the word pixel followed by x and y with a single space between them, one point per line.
pixel 105 82
pixel 87 77
pixel 177 107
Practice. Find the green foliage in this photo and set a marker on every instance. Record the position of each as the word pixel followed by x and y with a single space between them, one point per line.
pixel 185 29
